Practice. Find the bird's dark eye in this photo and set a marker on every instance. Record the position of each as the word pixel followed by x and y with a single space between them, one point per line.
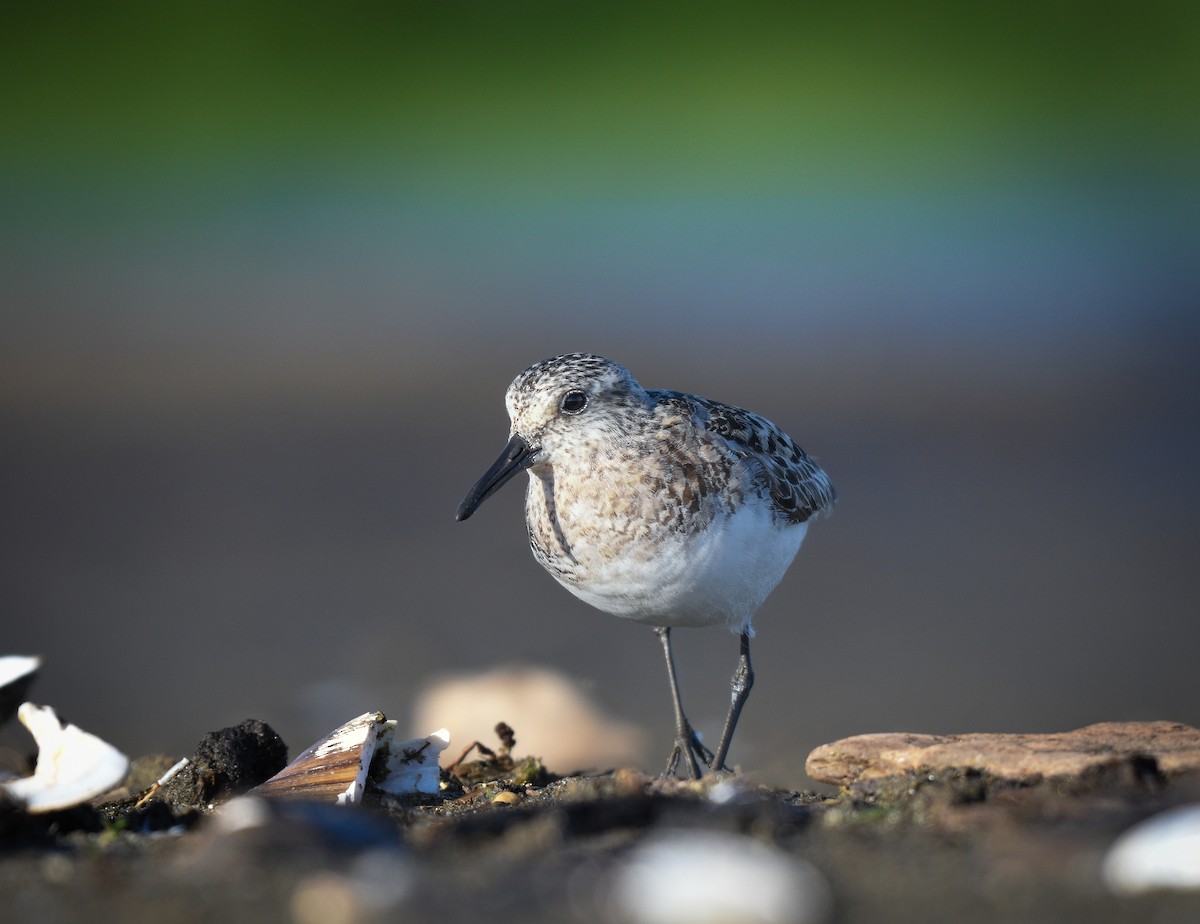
pixel 573 402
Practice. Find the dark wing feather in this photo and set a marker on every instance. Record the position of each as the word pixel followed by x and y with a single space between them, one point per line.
pixel 798 487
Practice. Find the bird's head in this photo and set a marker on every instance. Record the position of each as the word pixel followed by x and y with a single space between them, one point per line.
pixel 554 406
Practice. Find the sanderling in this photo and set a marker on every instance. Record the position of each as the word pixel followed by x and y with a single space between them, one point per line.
pixel 656 506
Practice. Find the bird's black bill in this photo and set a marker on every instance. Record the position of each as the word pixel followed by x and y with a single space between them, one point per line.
pixel 516 457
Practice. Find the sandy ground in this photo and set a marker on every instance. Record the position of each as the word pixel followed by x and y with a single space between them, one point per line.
pixel 526 846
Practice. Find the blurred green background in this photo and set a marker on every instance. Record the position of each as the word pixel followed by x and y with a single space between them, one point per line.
pixel 268 268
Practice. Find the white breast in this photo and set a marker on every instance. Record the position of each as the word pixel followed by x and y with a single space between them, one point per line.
pixel 719 575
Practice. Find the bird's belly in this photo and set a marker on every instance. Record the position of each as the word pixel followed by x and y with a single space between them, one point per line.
pixel 716 575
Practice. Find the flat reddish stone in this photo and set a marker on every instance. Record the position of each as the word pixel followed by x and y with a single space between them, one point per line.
pixel 1018 758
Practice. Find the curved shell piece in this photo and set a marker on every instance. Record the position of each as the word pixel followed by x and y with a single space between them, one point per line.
pixel 73 766
pixel 333 769
pixel 356 756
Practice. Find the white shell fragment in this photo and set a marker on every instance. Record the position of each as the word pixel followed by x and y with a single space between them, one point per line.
pixel 360 754
pixel 408 766
pixel 1162 852
pixel 16 674
pixel 72 767
pixel 696 877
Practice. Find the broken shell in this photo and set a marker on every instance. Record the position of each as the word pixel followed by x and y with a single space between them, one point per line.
pixel 72 767
pixel 332 770
pixel 504 797
pixel 16 674
pixel 403 767
pixel 360 754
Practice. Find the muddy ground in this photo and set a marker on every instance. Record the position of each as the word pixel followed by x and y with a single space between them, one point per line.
pixel 508 841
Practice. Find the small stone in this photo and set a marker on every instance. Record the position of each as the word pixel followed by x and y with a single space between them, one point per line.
pixel 1155 749
pixel 553 716
pixel 629 782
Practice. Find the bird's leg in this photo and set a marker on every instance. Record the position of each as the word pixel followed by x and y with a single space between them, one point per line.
pixel 687 745
pixel 743 680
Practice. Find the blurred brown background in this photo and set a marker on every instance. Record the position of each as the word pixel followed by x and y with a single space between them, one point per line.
pixel 267 274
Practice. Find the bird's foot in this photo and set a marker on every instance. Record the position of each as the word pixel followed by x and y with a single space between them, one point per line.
pixel 691 751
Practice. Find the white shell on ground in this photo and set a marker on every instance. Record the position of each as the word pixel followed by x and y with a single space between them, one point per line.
pixel 699 877
pixel 16 674
pixel 16 667
pixel 1162 852
pixel 360 754
pixel 409 766
pixel 73 766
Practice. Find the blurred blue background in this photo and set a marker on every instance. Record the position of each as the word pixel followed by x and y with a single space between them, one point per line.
pixel 268 269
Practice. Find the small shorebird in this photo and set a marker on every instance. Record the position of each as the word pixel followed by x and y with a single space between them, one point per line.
pixel 656 506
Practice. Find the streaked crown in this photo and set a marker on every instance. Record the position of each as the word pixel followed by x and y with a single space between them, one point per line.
pixel 568 393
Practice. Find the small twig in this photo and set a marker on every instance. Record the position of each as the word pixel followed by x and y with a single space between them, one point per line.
pixel 411 754
pixel 474 745
pixel 162 781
